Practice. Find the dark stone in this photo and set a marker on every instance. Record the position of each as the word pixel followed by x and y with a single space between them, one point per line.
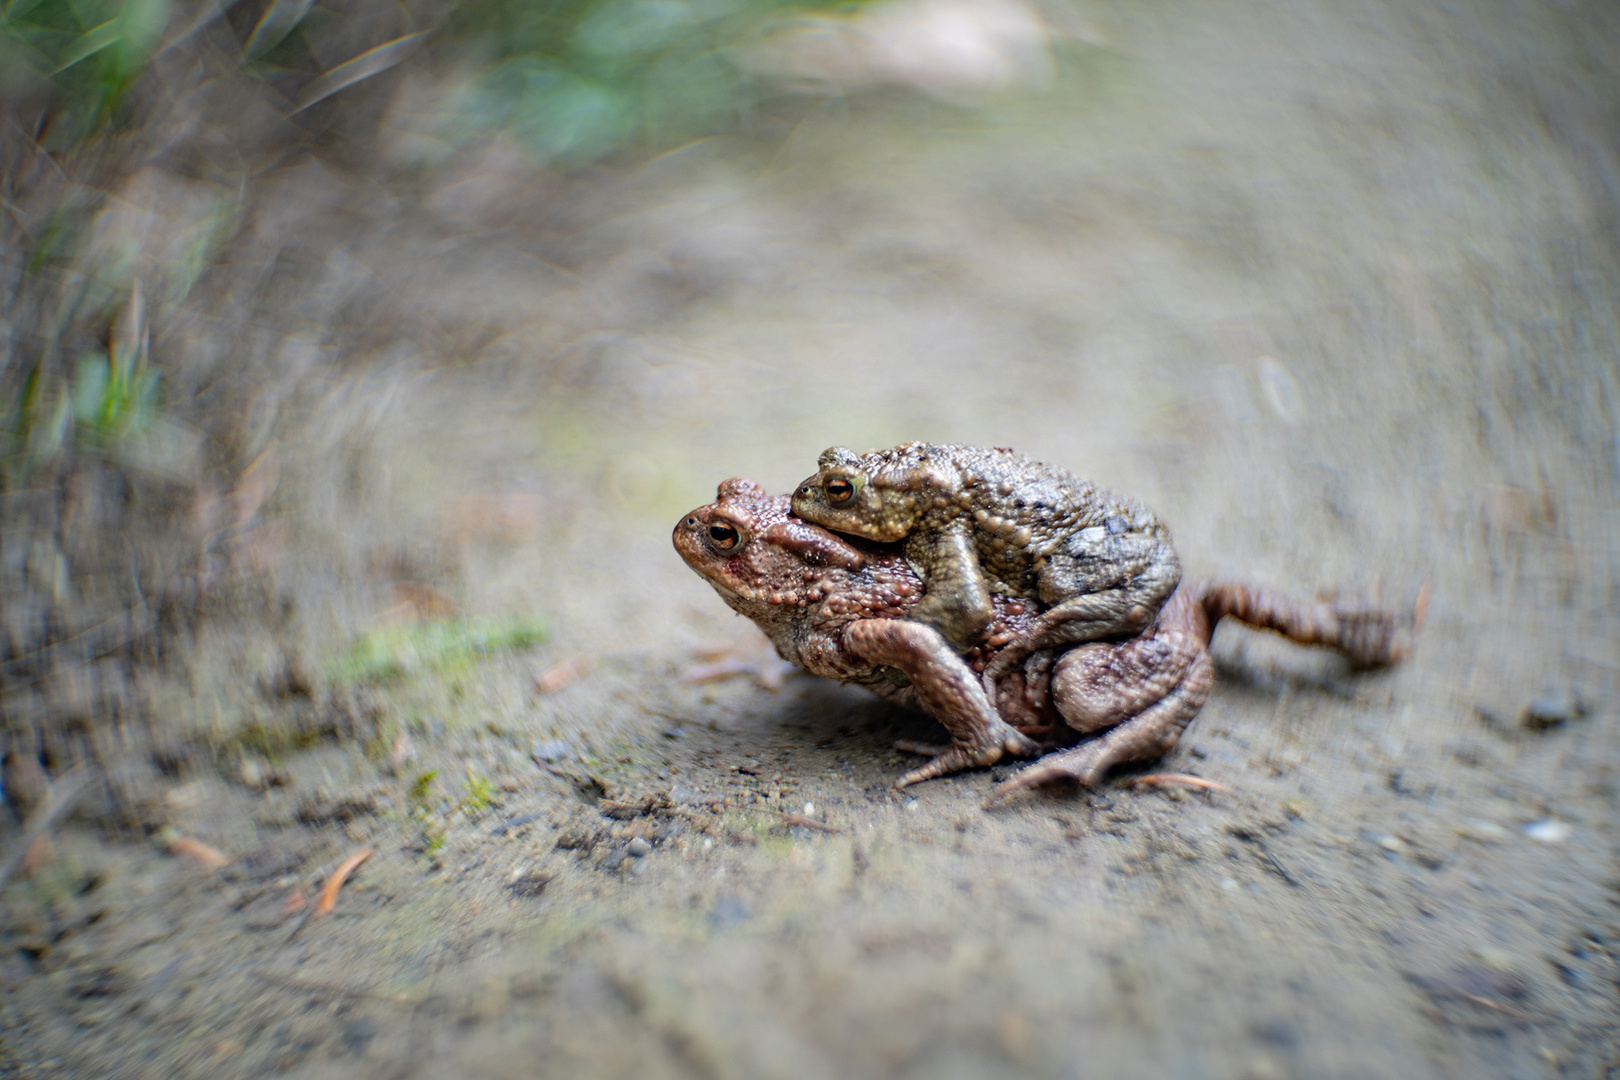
pixel 358 1035
pixel 728 911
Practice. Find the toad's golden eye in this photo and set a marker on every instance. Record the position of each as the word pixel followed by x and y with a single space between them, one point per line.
pixel 840 492
pixel 723 535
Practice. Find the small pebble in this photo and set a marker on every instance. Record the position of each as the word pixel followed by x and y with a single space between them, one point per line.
pixel 1553 707
pixel 358 1035
pixel 529 882
pixel 550 751
pixel 638 847
pixel 911 804
pixel 1549 831
pixel 1484 832
pixel 728 911
pixel 809 808
pixel 1393 844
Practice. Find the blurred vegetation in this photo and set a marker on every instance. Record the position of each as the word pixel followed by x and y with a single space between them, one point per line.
pixel 575 80
pixel 89 51
pixel 393 651
pixel 165 335
pixel 572 80
pixel 579 79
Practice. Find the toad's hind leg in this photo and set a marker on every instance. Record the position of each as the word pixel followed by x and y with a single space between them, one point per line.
pixel 1100 685
pixel 1368 636
pixel 1113 591
pixel 1146 736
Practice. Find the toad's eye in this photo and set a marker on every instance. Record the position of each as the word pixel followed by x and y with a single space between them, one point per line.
pixel 840 492
pixel 724 536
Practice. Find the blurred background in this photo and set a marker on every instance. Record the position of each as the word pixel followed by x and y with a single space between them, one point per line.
pixel 350 349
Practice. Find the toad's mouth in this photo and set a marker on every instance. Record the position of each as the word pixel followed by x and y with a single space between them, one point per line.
pixel 727 593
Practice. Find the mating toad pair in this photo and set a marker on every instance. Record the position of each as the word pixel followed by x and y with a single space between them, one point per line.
pixel 1014 602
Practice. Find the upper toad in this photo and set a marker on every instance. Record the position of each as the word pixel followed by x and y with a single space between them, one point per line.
pixel 978 522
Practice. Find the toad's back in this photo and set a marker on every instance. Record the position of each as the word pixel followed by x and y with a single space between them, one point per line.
pixel 1023 510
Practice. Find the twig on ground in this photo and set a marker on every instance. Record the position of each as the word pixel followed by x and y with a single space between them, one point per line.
pixel 798 819
pixel 331 988
pixel 1185 779
pixel 64 796
pixel 562 675
pixel 210 857
pixel 329 892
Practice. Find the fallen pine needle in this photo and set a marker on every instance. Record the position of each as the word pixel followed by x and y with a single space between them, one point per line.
pixel 328 895
pixel 716 670
pixel 210 857
pixel 771 672
pixel 1180 778
pixel 799 820
pixel 564 674
pixel 37 855
pixel 334 989
pixel 811 823
pixel 329 891
pixel 64 794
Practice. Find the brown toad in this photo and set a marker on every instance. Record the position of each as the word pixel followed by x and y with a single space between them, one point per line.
pixel 839 608
pixel 978 522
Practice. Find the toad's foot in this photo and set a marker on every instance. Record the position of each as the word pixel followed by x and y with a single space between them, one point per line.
pixel 956 757
pixel 1368 635
pixel 1372 637
pixel 1148 735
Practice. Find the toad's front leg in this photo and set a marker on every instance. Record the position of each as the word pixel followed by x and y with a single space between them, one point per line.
pixel 946 687
pixel 957 602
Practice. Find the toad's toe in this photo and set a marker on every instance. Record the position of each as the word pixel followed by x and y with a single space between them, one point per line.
pixel 956 757
pixel 1082 765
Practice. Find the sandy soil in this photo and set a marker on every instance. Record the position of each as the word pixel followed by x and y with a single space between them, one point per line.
pixel 1331 286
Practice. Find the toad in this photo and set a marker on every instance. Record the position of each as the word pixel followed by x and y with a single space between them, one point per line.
pixel 840 607
pixel 979 522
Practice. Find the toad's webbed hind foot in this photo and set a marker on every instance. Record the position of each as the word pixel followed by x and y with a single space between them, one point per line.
pixel 1372 637
pixel 1368 635
pixel 1144 737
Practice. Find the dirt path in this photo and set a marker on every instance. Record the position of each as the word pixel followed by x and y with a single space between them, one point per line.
pixel 1330 286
